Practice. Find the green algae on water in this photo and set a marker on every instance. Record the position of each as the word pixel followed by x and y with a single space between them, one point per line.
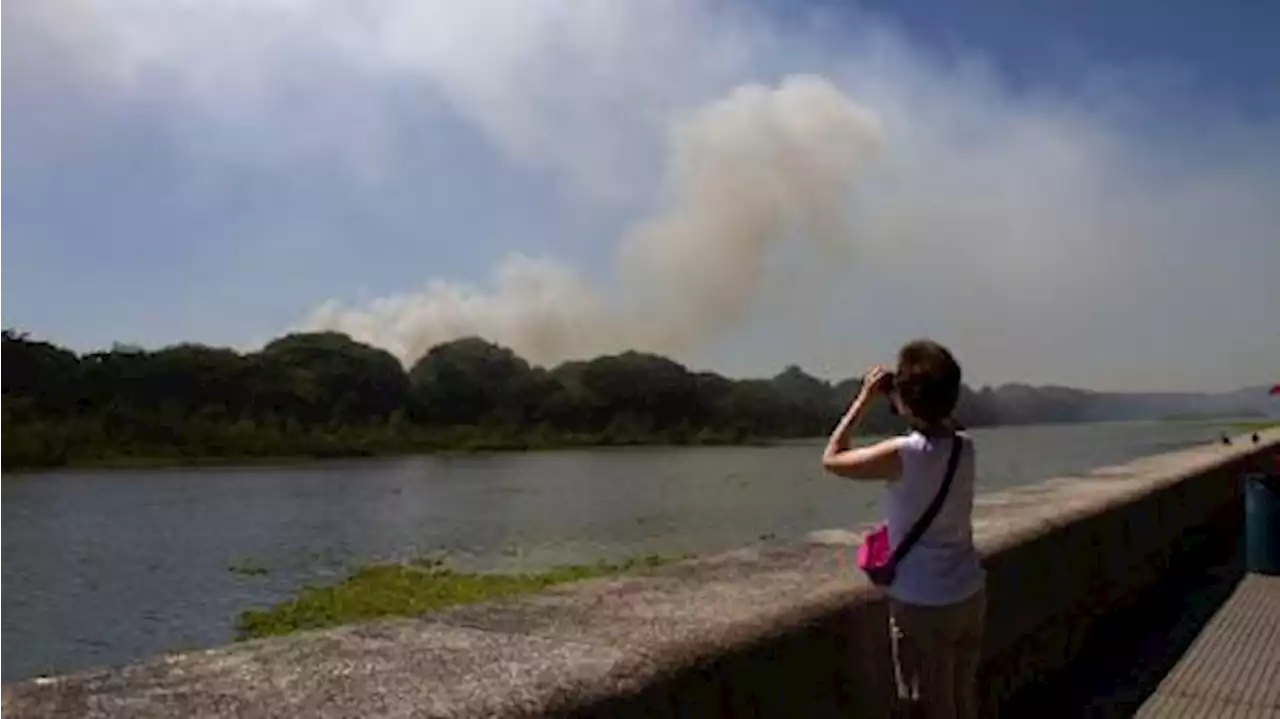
pixel 408 590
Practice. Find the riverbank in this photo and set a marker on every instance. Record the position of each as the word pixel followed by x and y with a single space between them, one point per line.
pixel 28 450
pixel 57 448
pixel 1256 425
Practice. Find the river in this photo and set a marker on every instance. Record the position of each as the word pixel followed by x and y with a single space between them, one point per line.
pixel 106 567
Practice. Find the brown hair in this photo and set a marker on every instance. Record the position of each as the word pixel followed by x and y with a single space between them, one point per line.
pixel 927 380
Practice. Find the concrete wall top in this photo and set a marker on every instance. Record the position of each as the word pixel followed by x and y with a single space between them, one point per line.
pixel 577 643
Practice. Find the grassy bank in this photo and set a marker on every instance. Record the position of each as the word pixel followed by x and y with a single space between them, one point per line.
pixel 1255 425
pixel 30 446
pixel 410 590
pixel 51 446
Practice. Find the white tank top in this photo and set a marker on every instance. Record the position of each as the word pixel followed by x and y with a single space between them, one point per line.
pixel 943 567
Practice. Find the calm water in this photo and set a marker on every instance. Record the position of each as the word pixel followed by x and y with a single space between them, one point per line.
pixel 103 567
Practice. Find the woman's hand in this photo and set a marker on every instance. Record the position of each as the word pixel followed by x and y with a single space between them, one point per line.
pixel 878 461
pixel 871 382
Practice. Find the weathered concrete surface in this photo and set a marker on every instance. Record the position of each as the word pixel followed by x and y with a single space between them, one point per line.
pixel 786 632
pixel 1067 552
pixel 597 639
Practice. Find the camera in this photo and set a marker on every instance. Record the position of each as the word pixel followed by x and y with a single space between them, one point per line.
pixel 885 384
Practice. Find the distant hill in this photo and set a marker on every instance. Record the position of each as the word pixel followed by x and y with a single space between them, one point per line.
pixel 1020 403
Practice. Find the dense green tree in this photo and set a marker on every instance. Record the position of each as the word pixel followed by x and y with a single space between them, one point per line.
pixel 473 382
pixel 328 378
pixel 322 393
pixel 40 379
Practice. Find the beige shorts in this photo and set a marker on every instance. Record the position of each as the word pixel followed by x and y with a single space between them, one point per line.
pixel 936 652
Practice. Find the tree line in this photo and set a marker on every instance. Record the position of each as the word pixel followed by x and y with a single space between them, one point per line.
pixel 324 394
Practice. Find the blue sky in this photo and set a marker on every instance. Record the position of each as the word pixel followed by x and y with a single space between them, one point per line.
pixel 1076 192
pixel 1220 52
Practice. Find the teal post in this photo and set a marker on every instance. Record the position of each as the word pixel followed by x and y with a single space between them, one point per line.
pixel 1262 522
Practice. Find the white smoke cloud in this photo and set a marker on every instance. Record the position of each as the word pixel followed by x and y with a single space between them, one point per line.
pixel 1110 237
pixel 744 173
pixel 1030 230
pixel 540 306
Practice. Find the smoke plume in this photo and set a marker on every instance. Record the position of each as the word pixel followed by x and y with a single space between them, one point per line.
pixel 743 173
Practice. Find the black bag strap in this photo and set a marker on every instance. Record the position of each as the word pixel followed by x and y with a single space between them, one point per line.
pixel 922 524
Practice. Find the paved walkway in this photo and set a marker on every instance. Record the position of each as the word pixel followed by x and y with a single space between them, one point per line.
pixel 1232 668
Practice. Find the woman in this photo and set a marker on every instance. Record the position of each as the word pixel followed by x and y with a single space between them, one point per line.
pixel 937 599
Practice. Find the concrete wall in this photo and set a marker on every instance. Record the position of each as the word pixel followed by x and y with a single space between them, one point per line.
pixel 781 632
